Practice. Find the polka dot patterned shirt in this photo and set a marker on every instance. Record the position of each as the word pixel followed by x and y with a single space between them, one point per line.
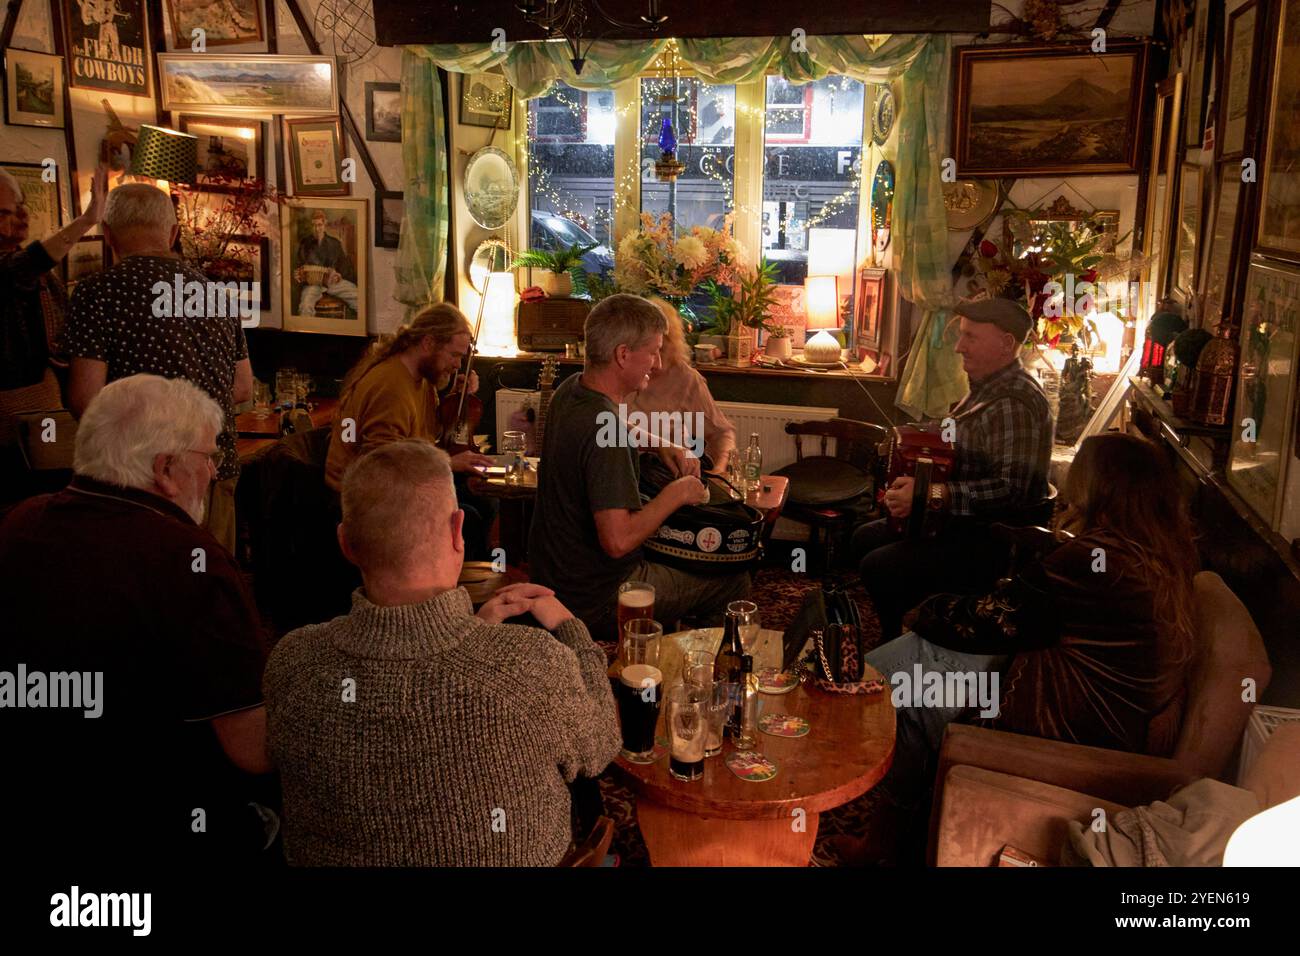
pixel 112 319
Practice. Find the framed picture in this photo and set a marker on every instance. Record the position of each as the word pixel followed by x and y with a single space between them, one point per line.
pixel 108 45
pixel 316 157
pixel 486 99
pixel 42 198
pixel 1279 216
pixel 1238 64
pixel 390 210
pixel 384 112
pixel 790 311
pixel 1216 269
pixel 1187 228
pixel 1035 110
pixel 252 254
pixel 323 280
pixel 223 23
pixel 90 254
pixel 1162 180
pixel 228 147
pixel 1266 387
pixel 1199 63
pixel 869 308
pixel 248 83
pixel 33 89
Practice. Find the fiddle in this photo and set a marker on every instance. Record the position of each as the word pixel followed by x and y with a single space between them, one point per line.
pixel 459 413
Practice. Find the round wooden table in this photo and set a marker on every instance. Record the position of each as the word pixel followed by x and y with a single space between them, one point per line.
pixel 722 820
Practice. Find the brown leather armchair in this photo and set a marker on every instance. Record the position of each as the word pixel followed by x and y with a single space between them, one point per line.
pixel 995 788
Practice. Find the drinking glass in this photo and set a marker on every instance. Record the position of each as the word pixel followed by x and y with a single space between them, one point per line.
pixel 747 611
pixel 636 599
pixel 720 705
pixel 641 639
pixel 304 386
pixel 286 386
pixel 638 693
pixel 697 669
pixel 689 731
pixel 513 444
pixel 261 400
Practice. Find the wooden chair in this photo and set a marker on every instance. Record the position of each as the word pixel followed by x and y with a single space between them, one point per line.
pixel 593 850
pixel 828 492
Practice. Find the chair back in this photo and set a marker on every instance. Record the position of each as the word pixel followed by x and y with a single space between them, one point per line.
pixel 1229 651
pixel 855 441
pixel 593 850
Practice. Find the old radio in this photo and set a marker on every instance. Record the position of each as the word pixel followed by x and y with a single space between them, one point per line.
pixel 548 325
pixel 918 452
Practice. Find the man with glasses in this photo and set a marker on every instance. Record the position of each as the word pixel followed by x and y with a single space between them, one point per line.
pixel 113 576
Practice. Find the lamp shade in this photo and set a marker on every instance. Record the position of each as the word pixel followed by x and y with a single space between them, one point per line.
pixel 498 333
pixel 831 253
pixel 821 296
pixel 165 154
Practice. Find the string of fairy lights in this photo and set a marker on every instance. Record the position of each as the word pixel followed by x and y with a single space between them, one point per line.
pixel 658 91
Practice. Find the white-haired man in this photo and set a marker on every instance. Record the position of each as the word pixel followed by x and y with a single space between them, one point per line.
pixel 119 326
pixel 411 732
pixel 117 597
pixel 589 523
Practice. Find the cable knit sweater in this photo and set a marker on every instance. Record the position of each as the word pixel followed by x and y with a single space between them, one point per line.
pixel 457 746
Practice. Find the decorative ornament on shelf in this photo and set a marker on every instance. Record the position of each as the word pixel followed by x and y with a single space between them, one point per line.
pixel 1216 370
pixel 668 167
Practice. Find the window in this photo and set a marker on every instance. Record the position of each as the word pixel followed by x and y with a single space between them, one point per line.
pixel 812 161
pixel 571 171
pixel 704 121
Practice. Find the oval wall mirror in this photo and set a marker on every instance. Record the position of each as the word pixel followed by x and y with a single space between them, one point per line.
pixel 491 188
pixel 492 255
pixel 882 203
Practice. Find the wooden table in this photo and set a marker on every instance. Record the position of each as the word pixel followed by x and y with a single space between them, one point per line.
pixel 255 436
pixel 722 820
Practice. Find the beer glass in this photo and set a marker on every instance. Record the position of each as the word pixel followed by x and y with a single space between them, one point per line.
pixel 697 669
pixel 720 704
pixel 636 599
pixel 513 445
pixel 747 611
pixel 641 642
pixel 689 730
pixel 639 691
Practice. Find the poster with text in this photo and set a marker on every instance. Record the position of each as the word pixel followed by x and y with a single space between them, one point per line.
pixel 108 45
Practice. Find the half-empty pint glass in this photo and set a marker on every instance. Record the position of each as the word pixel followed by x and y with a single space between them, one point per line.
pixel 641 640
pixel 688 728
pixel 639 692
pixel 636 599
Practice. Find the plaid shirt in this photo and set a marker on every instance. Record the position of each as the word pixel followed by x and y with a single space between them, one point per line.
pixel 1004 445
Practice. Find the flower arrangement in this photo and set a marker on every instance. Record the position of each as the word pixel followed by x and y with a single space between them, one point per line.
pixel 748 302
pixel 209 226
pixel 655 260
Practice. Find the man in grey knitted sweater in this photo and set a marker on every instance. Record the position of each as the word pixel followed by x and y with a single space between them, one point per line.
pixel 411 732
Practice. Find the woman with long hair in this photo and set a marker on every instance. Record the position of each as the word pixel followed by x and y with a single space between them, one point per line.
pixel 679 387
pixel 1089 642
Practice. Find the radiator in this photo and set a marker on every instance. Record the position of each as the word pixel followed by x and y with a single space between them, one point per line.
pixel 768 420
pixel 1263 721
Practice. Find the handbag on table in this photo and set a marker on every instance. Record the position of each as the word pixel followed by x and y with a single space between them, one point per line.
pixel 829 618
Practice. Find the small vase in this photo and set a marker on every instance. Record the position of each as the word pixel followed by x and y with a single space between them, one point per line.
pixel 739 349
pixel 556 284
pixel 777 347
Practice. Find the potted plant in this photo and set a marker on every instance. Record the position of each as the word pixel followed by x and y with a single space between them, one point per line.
pixel 742 308
pixel 562 267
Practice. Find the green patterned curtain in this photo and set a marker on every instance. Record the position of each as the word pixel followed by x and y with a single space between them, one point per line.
pixel 933 378
pixel 422 250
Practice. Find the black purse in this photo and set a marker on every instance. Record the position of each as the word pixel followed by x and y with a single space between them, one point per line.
pixel 830 618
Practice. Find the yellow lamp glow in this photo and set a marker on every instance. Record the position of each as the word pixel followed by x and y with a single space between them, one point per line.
pixel 497 337
pixel 821 295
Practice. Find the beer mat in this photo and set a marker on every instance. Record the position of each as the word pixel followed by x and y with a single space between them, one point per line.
pixel 783 725
pixel 773 681
pixel 751 765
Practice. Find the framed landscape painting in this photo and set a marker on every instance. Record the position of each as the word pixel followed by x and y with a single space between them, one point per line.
pixel 1035 110
pixel 324 247
pixel 390 210
pixel 248 83
pixel 222 23
pixel 33 89
pixel 384 112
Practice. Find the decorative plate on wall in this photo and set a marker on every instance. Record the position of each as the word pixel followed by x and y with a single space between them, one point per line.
pixel 970 203
pixel 882 204
pixel 882 118
pixel 491 188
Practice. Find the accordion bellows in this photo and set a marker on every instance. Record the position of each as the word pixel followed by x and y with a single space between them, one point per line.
pixel 721 537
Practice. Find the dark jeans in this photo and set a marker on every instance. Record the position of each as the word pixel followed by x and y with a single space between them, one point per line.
pixel 480 512
pixel 899 573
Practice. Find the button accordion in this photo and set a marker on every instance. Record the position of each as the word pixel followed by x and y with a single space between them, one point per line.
pixel 918 452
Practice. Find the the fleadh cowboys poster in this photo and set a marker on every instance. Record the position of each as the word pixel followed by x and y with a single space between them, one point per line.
pixel 108 45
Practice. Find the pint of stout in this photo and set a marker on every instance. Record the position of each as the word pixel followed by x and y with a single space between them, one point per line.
pixel 638 692
pixel 688 727
pixel 636 599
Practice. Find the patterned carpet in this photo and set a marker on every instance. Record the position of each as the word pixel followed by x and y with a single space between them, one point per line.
pixel 778 594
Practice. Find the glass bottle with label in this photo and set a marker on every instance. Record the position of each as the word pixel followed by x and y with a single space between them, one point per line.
pixel 726 668
pixel 753 465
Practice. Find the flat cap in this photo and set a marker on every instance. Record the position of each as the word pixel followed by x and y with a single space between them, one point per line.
pixel 1007 315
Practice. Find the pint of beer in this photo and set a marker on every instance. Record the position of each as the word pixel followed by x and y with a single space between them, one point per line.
pixel 636 599
pixel 639 691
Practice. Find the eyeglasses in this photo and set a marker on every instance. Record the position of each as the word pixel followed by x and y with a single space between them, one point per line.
pixel 217 457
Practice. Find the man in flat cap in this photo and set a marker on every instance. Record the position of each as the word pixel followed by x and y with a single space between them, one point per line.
pixel 1003 451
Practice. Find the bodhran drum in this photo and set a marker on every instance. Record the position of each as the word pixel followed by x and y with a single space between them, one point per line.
pixel 723 536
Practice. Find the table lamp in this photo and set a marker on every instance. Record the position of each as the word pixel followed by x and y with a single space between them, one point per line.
pixel 498 333
pixel 821 295
pixel 165 154
pixel 831 253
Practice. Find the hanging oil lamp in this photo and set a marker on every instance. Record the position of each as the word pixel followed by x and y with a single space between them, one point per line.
pixel 668 167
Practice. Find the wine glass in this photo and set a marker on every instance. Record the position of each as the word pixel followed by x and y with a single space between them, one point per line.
pixel 747 611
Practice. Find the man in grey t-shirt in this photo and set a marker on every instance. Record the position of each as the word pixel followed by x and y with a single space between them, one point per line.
pixel 589 522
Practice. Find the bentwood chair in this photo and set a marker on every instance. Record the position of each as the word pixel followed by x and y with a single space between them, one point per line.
pixel 832 493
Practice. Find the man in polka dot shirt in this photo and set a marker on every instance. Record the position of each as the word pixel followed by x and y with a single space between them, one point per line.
pixel 119 326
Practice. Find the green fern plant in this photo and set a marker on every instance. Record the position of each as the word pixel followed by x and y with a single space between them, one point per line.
pixel 747 304
pixel 565 259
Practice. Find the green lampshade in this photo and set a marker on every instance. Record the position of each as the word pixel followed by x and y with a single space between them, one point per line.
pixel 165 154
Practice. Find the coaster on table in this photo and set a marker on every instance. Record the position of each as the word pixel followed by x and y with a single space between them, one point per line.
pixel 783 725
pixel 751 765
pixel 773 681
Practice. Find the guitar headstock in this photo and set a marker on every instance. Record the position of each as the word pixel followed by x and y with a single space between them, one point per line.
pixel 547 376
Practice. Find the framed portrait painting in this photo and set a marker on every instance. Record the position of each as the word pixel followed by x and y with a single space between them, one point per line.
pixel 33 89
pixel 324 247
pixel 223 23
pixel 486 99
pixel 1266 387
pixel 1279 214
pixel 869 308
pixel 229 148
pixel 248 83
pixel 384 112
pixel 107 45
pixel 41 197
pixel 316 157
pixel 1039 110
